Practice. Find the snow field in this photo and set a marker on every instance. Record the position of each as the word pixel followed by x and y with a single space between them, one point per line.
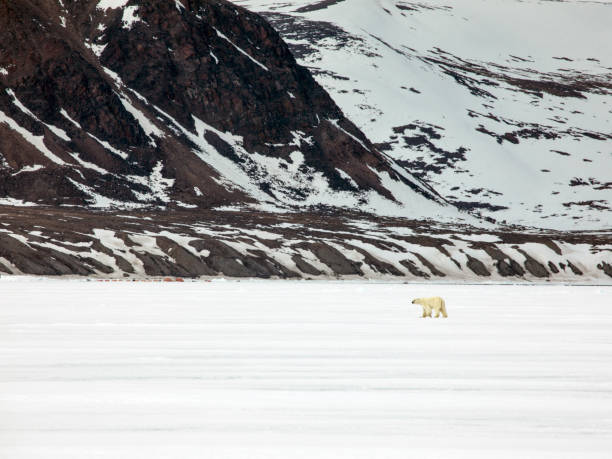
pixel 391 50
pixel 303 370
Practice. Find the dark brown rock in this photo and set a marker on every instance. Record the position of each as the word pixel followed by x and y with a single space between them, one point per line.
pixel 123 264
pixel 414 269
pixel 271 265
pixel 224 260
pixel 213 237
pixel 26 259
pixel 477 266
pixel 157 266
pixel 374 263
pixel 533 266
pixel 435 271
pixel 574 268
pixel 304 266
pixel 505 265
pixel 606 268
pixel 96 265
pixel 212 60
pixel 333 258
pixel 192 265
pixel 509 268
pixel 553 268
pixel 551 244
pixel 65 264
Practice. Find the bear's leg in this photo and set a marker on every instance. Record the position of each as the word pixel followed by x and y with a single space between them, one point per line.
pixel 424 312
pixel 437 312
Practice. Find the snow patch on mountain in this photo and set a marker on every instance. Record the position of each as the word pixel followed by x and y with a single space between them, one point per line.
pixel 130 17
pixel 497 109
pixel 156 183
pixel 112 4
pixel 36 140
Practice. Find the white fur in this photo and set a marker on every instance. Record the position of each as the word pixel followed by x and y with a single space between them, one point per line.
pixel 432 304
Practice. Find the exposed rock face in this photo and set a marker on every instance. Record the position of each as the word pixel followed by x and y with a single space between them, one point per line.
pixel 169 112
pixel 176 103
pixel 262 245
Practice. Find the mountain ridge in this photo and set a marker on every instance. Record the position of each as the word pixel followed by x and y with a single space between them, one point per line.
pixel 194 103
pixel 143 139
pixel 503 107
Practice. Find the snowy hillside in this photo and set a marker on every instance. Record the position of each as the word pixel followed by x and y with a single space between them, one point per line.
pixel 145 138
pixel 256 244
pixel 503 106
pixel 197 104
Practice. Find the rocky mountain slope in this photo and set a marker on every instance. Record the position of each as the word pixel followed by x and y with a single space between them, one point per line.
pixel 318 245
pixel 502 106
pixel 193 104
pixel 181 138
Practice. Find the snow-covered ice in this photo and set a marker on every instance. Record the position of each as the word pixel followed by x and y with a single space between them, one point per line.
pixel 303 370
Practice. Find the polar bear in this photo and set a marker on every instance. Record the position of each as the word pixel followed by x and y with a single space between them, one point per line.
pixel 435 303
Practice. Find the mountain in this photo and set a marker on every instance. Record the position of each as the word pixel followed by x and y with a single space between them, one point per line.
pixel 502 106
pixel 292 245
pixel 147 138
pixel 192 104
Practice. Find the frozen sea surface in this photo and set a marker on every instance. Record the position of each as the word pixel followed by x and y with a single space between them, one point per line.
pixel 303 370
